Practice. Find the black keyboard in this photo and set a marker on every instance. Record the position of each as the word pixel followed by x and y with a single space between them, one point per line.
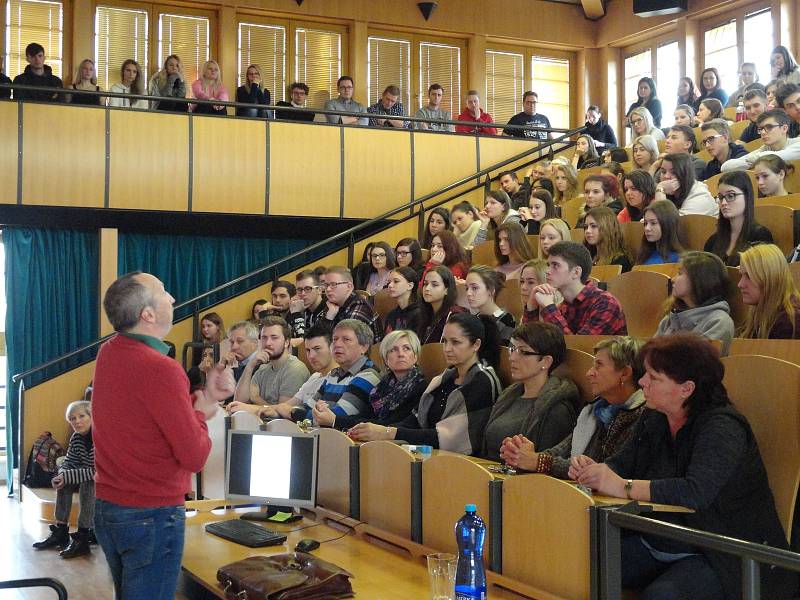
pixel 246 533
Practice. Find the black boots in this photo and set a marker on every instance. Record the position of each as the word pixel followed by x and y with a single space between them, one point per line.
pixel 58 538
pixel 79 546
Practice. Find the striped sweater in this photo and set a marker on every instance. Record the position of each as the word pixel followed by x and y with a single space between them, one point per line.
pixel 78 466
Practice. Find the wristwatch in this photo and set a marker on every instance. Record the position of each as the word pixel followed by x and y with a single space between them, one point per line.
pixel 628 488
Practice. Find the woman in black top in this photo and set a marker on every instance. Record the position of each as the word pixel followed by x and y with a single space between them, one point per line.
pixel 711 87
pixel 438 300
pixel 647 97
pixel 540 209
pixel 252 93
pixel 85 79
pixel 601 132
pixel 402 287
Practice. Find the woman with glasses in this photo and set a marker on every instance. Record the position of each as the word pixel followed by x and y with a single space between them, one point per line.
pixel 538 406
pixel 768 288
pixel 408 253
pixel 642 123
pixel 737 229
pixel 603 426
pixel 646 99
pixel 771 171
pixel 402 287
pixel 381 258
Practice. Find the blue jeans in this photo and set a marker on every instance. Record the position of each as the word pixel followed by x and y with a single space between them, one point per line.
pixel 143 548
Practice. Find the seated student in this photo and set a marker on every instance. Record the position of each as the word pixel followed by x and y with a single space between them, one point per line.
pixel 770 89
pixel 644 152
pixel 259 306
pixel 768 288
pixel 771 171
pixel 85 79
pixel 446 251
pixel 438 221
pixel 615 170
pixel 434 112
pixel 602 236
pixel 711 88
pixel 603 426
pixel 747 76
pixel 716 138
pixel 599 190
pixel 252 93
pixel 699 300
pixel 773 126
pixel 466 223
pixel 543 183
pixel 518 191
pixel 551 232
pixel 511 249
pixel 640 190
pixel 496 211
pixel 709 109
pixel 343 302
pixel 243 337
pixel 660 240
pixel 5 94
pixel 532 274
pixel 601 132
pixel 76 473
pixel 402 287
pixel 565 181
pixel 473 113
pixel 38 74
pixel 408 253
pixel 211 328
pixel 681 138
pixel 209 86
pixel 646 99
pixel 131 82
pixel 586 310
pixel 538 406
pixel 755 103
pixel 395 395
pixel 381 262
pixel 298 92
pixel 169 82
pixel 455 407
pixel 438 300
pixel 617 155
pixel 642 124
pixel 274 375
pixel 685 115
pixel 540 209
pixel 585 153
pixel 308 307
pixel 678 184
pixel 737 229
pixel 317 342
pixel 281 294
pixel 483 286
pixel 693 449
pixel 388 106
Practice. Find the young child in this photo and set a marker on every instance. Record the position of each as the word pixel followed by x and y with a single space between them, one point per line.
pixel 76 472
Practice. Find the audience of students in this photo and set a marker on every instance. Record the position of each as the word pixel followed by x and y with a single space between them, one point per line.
pixel 660 240
pixel 768 288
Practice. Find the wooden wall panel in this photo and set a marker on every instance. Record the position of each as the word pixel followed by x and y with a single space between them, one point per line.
pixel 230 165
pixel 63 156
pixel 390 236
pixel 141 178
pixel 440 159
pixel 496 149
pixel 377 171
pixel 305 165
pixel 8 153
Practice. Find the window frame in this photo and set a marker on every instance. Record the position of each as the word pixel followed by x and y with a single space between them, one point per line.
pixel 66 38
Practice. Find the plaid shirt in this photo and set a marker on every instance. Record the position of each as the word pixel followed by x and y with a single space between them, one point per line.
pixel 593 312
pixel 355 307
pixel 396 110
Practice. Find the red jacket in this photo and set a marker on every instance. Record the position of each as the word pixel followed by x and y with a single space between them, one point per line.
pixel 148 438
pixel 466 115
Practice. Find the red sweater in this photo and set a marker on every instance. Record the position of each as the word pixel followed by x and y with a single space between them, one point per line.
pixel 466 115
pixel 148 438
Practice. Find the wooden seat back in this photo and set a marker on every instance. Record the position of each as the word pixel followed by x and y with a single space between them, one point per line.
pixel 385 487
pixel 333 470
pixel 780 220
pixel 632 233
pixel 738 308
pixel 668 269
pixel 483 254
pixel 282 426
pixel 642 295
pixel 383 304
pixel 605 272
pixel 695 230
pixel 431 360
pixel 571 210
pixel 713 182
pixel 576 364
pixel 788 350
pixel 509 299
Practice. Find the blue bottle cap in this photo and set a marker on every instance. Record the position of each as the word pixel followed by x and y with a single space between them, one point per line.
pixel 470 508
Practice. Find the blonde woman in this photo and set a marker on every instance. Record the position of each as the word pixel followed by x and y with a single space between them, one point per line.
pixel 565 182
pixel 644 152
pixel 252 93
pixel 210 87
pixel 131 82
pixel 642 124
pixel 85 79
pixel 551 232
pixel 768 288
pixel 169 82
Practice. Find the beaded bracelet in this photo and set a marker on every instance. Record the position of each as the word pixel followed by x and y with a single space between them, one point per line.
pixel 545 463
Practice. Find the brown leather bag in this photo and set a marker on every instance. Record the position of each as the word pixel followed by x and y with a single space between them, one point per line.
pixel 293 576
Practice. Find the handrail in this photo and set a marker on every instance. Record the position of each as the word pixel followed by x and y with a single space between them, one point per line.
pixel 339 236
pixel 270 107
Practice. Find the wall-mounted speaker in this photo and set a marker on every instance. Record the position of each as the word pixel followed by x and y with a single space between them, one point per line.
pixel 654 8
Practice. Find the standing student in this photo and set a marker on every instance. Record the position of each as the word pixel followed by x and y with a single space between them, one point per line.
pixel 687 93
pixel 168 83
pixel 784 65
pixel 131 82
pixel 601 132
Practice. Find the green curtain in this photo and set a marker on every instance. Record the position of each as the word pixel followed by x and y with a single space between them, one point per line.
pixel 51 297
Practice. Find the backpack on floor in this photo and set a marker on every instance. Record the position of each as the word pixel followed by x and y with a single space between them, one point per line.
pixel 42 466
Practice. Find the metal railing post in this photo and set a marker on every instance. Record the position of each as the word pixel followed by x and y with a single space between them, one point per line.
pixel 751 579
pixel 609 554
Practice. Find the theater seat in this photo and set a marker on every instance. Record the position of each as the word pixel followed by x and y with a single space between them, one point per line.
pixel 642 295
pixel 780 220
pixel 483 254
pixel 431 360
pixel 696 229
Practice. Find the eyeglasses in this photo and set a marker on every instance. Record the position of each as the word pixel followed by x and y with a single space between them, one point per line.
pixel 768 127
pixel 729 197
pixel 381 256
pixel 308 289
pixel 512 348
pixel 637 121
pixel 402 253
pixel 328 285
pixel 710 139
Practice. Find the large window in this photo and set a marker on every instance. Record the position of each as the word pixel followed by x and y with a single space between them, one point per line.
pixel 119 34
pixel 721 52
pixel 389 63
pixel 188 37
pixel 441 63
pixel 33 21
pixel 668 73
pixel 505 82
pixel 758 42
pixel 319 63
pixel 550 78
pixel 636 66
pixel 265 46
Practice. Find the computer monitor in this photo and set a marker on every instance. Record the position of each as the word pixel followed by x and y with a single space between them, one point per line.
pixel 272 468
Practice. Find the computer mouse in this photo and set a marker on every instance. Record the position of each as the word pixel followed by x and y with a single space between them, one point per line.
pixel 306 545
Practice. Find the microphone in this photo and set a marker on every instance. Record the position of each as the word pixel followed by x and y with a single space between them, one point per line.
pixel 297 414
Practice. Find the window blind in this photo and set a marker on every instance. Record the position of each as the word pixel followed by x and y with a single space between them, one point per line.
pixel 551 83
pixel 265 46
pixel 187 36
pixel 440 63
pixel 389 63
pixel 318 63
pixel 33 21
pixel 505 80
pixel 119 34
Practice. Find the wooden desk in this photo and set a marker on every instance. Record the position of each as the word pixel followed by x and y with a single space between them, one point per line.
pixel 378 573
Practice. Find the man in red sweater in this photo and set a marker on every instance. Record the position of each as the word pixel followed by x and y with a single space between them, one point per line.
pixel 149 436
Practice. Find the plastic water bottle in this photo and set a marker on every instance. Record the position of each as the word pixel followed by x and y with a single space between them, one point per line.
pixel 470 576
pixel 740 113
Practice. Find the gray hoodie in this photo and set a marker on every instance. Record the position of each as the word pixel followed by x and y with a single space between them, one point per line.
pixel 712 321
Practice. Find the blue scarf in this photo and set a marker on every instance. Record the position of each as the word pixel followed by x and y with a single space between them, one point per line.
pixel 605 412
